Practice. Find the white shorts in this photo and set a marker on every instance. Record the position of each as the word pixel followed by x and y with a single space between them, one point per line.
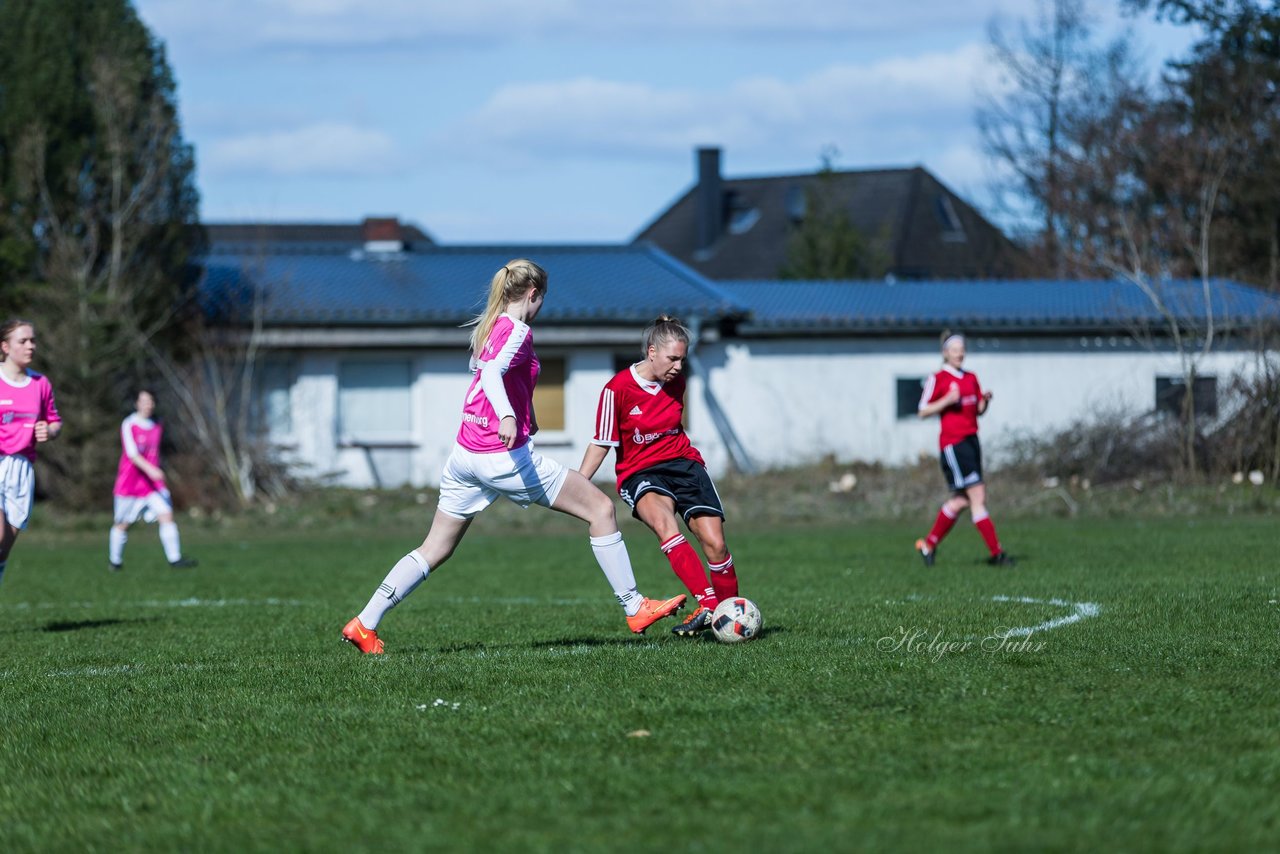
pixel 17 489
pixel 148 508
pixel 471 482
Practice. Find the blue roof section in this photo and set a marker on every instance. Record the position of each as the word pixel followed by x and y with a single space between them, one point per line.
pixel 1044 305
pixel 314 285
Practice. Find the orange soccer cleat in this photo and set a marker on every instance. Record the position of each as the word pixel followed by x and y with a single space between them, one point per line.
pixel 651 610
pixel 365 640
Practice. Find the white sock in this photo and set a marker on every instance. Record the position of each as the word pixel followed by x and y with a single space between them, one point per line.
pixel 115 550
pixel 410 571
pixel 611 554
pixel 169 539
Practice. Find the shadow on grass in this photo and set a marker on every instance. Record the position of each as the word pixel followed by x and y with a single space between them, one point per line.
pixel 77 625
pixel 1016 560
pixel 766 631
pixel 592 641
pixel 563 642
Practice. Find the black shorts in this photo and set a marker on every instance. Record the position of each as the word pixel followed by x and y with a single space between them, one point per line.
pixel 962 463
pixel 684 481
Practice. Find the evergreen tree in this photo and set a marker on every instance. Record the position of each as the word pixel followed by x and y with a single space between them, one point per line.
pixel 825 244
pixel 98 210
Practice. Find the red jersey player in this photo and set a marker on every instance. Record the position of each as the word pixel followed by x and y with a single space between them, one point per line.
pixel 660 473
pixel 955 395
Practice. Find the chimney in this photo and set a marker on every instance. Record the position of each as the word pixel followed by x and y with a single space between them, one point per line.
pixel 382 234
pixel 709 200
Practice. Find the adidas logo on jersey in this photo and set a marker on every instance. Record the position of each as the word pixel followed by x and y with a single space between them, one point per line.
pixel 635 410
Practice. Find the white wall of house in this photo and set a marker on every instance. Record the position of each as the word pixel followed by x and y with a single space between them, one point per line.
pixel 795 402
pixel 790 401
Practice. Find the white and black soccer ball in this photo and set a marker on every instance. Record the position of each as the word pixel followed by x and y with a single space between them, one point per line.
pixel 735 620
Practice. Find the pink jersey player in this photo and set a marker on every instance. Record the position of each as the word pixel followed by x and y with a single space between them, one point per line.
pixel 660 473
pixel 140 491
pixel 24 403
pixel 28 417
pixel 493 458
pixel 505 374
pixel 139 437
pixel 956 397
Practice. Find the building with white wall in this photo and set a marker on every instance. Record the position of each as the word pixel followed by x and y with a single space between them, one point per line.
pixel 366 354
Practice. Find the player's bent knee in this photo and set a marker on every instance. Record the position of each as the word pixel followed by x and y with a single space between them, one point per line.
pixel 602 509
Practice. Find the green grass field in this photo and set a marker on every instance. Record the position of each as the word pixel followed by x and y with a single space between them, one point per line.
pixel 216 709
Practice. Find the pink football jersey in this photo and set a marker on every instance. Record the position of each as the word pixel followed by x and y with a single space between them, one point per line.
pixel 21 406
pixel 509 349
pixel 138 436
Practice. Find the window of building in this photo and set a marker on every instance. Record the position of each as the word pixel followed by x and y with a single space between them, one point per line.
pixel 741 221
pixel 1171 393
pixel 952 228
pixel 275 385
pixel 373 401
pixel 909 391
pixel 548 394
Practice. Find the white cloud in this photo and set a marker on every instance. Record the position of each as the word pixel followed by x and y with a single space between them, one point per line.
pixel 892 107
pixel 327 149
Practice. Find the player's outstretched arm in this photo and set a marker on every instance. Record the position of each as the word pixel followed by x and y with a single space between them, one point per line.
pixel 592 459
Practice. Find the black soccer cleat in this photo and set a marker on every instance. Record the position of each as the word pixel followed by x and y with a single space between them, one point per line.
pixel 184 563
pixel 114 567
pixel 694 624
pixel 925 552
pixel 1002 559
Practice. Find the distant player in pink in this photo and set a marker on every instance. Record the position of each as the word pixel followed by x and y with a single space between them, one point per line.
pixel 493 458
pixel 660 473
pixel 955 395
pixel 28 417
pixel 140 491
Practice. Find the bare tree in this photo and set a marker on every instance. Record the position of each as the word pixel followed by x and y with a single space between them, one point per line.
pixel 216 384
pixel 1145 185
pixel 109 267
pixel 1048 70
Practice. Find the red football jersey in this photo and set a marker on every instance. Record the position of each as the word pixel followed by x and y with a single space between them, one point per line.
pixel 641 421
pixel 959 419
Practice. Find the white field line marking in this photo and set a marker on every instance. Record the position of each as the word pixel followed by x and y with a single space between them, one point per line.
pixel 273 602
pixel 112 670
pixel 518 600
pixel 1080 610
pixel 153 603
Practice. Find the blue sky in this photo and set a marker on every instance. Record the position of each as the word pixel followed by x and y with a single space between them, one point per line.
pixel 488 121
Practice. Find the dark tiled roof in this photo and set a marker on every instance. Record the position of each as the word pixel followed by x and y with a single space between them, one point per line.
pixel 447 286
pixel 1010 305
pixel 906 211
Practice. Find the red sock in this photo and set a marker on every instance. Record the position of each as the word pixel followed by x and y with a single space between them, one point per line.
pixel 687 567
pixel 724 579
pixel 941 526
pixel 988 531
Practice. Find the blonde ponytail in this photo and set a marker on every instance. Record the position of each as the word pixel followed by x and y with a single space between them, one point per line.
pixel 512 281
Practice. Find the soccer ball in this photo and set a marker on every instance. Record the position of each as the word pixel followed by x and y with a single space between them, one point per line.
pixel 736 619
